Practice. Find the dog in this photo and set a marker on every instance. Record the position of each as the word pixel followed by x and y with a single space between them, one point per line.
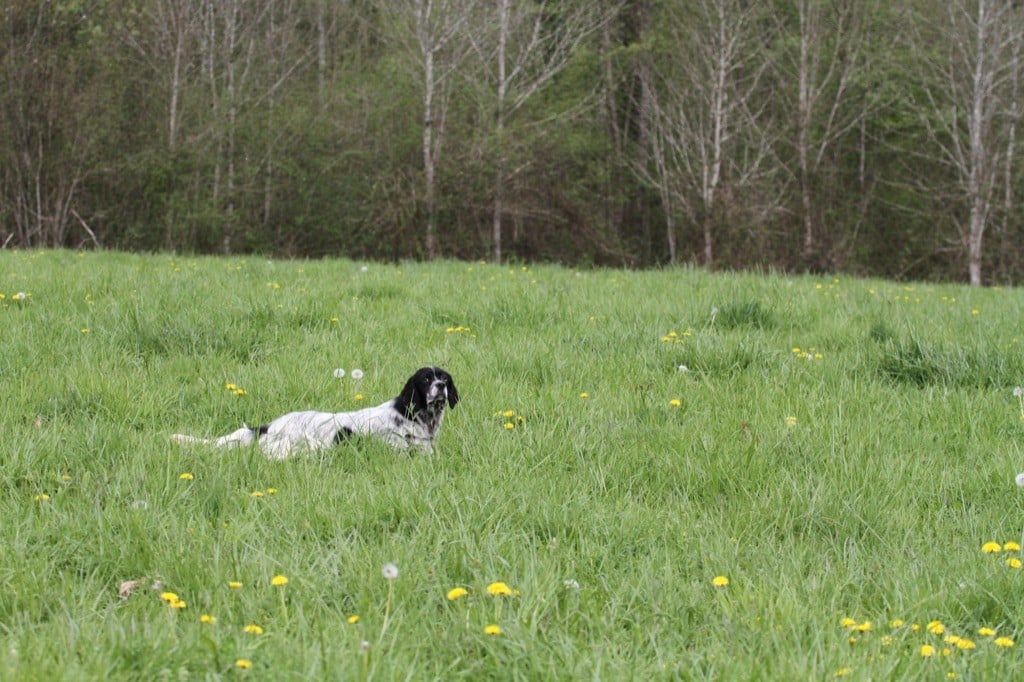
pixel 410 420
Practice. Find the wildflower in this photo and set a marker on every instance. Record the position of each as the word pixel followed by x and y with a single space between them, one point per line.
pixel 720 581
pixel 936 628
pixel 986 632
pixel 186 476
pixel 256 493
pixel 230 387
pixel 509 426
pixel 240 392
pixel 790 421
pixel 1014 562
pixel 897 623
pixel 207 618
pixel 353 619
pixel 176 604
pixel 847 622
pixel 499 590
pixel 339 373
pixel 927 650
pixel 1018 392
pixel 1004 642
pixel 843 672
pixel 253 629
pixel 508 414
pixel 492 630
pixel 389 571
pixel 965 644
pixel 682 368
pixel 279 581
pixel 84 330
pixel 271 491
pixel 991 547
pixel 456 593
pixel 357 374
pixel 584 395
pixel 1020 480
pixel 234 584
pixel 1011 546
pixel 243 663
pixel 571 584
pixel 357 396
pixel 42 497
pixel 675 402
pixel 863 627
pixel 168 597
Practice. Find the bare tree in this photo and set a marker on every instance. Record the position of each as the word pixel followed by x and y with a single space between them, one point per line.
pixel 433 36
pixel 827 56
pixel 522 47
pixel 704 116
pixel 969 66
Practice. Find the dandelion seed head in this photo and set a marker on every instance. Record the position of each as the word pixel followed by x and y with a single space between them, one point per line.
pixel 339 373
pixel 357 374
pixel 389 571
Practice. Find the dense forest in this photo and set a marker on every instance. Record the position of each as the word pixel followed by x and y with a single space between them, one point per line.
pixel 863 136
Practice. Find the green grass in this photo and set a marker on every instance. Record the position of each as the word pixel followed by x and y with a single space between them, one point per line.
pixel 855 478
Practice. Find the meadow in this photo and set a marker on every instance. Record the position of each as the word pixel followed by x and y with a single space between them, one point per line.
pixel 668 474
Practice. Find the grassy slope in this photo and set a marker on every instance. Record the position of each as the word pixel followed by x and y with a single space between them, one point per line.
pixel 873 505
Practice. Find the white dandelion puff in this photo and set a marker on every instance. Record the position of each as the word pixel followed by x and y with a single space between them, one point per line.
pixel 389 571
pixel 357 374
pixel 339 373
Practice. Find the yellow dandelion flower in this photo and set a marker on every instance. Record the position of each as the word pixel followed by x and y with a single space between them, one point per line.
pixel 492 630
pixel 675 402
pixel 1014 562
pixel 456 593
pixel 353 619
pixel 42 497
pixel 207 618
pixel 243 663
pixel 186 476
pixel 508 414
pixel 509 426
pixel 234 584
pixel 720 581
pixel 847 622
pixel 168 597
pixel 271 491
pixel 936 627
pixel 886 640
pixel 240 391
pixel 965 644
pixel 499 589
pixel 927 650
pixel 897 623
pixel 584 395
pixel 278 581
pixel 986 632
pixel 790 421
pixel 256 493
pixel 863 627
pixel 1011 546
pixel 1004 642
pixel 176 604
pixel 253 629
pixel 843 672
pixel 357 396
pixel 230 387
pixel 991 548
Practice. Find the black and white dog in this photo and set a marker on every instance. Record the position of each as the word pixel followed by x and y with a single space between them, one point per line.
pixel 413 419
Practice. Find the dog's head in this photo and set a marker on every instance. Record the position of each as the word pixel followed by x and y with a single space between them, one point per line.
pixel 427 391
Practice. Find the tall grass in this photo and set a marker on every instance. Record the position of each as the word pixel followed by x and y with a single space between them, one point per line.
pixel 834 448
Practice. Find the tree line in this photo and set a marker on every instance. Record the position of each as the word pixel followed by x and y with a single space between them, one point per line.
pixel 866 136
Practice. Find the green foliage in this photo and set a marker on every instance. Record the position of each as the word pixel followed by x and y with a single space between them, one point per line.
pixel 837 449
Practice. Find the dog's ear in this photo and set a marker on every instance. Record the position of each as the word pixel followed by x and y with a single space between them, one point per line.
pixel 412 399
pixel 453 393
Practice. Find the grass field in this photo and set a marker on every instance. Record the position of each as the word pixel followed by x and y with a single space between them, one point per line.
pixel 838 450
